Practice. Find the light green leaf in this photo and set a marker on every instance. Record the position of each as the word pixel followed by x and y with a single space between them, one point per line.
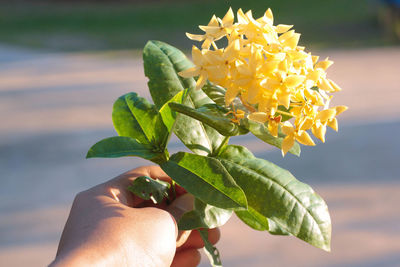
pixel 204 216
pixel 148 188
pixel 211 251
pixel 261 132
pixel 276 194
pixel 167 114
pixel 148 118
pixel 253 219
pixel 206 179
pixel 125 122
pixel 122 146
pixel 212 115
pixel 162 62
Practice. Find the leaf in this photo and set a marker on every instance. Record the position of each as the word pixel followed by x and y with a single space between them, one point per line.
pixel 206 179
pixel 253 219
pixel 212 115
pixel 148 188
pixel 125 122
pixel 211 251
pixel 203 216
pixel 122 146
pixel 217 94
pixel 261 132
pixel 162 63
pixel 259 222
pixel 276 194
pixel 167 114
pixel 148 119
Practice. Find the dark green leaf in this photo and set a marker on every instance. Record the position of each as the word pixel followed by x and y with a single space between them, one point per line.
pixel 148 118
pixel 122 146
pixel 204 216
pixel 206 179
pixel 125 122
pixel 212 115
pixel 211 251
pixel 261 131
pixel 162 63
pixel 276 194
pixel 148 188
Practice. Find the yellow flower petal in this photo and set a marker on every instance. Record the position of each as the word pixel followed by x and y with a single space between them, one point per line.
pixel 201 81
pixel 340 109
pixel 304 138
pixel 335 86
pixel 319 132
pixel 287 128
pixel 195 71
pixel 324 64
pixel 195 37
pixel 333 124
pixel 282 28
pixel 326 114
pixel 287 144
pixel 228 18
pixel 258 117
pixel 293 81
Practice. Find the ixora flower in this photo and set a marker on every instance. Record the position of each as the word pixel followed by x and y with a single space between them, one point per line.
pixel 273 76
pixel 261 82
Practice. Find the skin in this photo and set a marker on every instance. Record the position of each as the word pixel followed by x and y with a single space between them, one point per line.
pixel 109 226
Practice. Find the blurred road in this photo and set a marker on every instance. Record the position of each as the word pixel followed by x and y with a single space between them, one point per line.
pixel 53 107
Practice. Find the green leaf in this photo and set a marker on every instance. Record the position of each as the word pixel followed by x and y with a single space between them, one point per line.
pixel 259 222
pixel 206 179
pixel 125 122
pixel 204 216
pixel 148 188
pixel 253 219
pixel 122 146
pixel 276 194
pixel 148 118
pixel 212 115
pixel 162 62
pixel 261 132
pixel 217 94
pixel 211 251
pixel 167 114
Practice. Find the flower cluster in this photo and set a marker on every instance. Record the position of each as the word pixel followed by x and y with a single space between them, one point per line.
pixel 275 78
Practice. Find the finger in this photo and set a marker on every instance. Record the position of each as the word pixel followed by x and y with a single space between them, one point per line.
pixel 186 258
pixel 117 188
pixel 195 242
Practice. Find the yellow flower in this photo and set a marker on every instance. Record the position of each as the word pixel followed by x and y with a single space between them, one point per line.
pixel 264 66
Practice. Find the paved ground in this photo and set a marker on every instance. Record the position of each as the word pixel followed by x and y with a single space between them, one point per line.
pixel 53 107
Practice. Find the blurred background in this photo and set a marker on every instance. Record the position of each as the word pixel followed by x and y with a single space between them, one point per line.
pixel 63 63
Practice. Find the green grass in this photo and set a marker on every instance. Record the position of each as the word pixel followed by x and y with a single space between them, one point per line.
pixel 329 23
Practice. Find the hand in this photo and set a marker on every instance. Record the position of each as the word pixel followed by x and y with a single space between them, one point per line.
pixel 109 226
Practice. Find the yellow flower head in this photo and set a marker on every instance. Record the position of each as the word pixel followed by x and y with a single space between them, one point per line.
pixel 263 65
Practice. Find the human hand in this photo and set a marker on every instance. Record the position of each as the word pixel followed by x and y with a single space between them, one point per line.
pixel 110 226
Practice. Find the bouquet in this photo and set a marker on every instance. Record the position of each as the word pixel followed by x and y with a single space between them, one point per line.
pixel 248 76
